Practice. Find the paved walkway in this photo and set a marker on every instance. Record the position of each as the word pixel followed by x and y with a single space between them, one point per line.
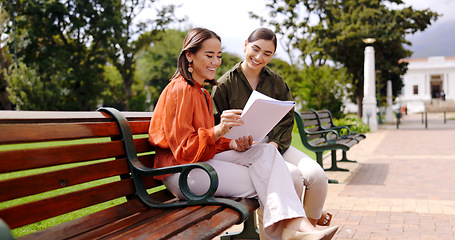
pixel 403 186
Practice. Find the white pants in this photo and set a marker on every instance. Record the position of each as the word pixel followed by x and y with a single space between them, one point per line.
pixel 310 181
pixel 258 172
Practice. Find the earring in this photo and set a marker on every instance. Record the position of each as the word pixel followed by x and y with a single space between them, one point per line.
pixel 190 67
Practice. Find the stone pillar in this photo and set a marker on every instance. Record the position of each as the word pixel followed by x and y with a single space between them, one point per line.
pixel 369 94
pixel 389 111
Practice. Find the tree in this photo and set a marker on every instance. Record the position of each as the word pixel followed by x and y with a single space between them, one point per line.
pixel 333 30
pixel 290 73
pixel 62 41
pixel 69 42
pixel 323 87
pixel 157 63
pixel 123 47
pixel 5 63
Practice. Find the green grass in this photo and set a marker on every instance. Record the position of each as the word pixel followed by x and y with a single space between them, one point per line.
pixel 297 143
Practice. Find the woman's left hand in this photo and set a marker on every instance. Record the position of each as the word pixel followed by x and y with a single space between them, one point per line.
pixel 241 144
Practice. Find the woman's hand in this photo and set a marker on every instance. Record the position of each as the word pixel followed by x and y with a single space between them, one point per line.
pixel 241 144
pixel 228 119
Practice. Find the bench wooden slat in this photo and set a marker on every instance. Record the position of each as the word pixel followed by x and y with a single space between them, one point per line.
pixel 79 226
pixel 349 142
pixel 16 160
pixel 27 133
pixel 157 228
pixel 317 141
pixel 24 133
pixel 219 221
pixel 324 121
pixel 34 184
pixel 136 223
pixel 101 223
pixel 50 207
pixel 65 116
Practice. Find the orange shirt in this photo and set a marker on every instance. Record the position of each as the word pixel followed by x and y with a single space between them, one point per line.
pixel 182 126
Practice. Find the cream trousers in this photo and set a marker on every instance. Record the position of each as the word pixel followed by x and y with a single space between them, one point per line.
pixel 258 172
pixel 310 182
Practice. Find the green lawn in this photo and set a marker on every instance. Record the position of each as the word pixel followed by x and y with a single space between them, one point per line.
pixel 297 143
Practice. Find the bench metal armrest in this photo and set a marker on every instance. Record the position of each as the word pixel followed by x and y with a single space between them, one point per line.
pixel 352 128
pixel 5 231
pixel 138 170
pixel 347 128
pixel 326 134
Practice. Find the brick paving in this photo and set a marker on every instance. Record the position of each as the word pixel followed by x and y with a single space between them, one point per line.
pixel 403 185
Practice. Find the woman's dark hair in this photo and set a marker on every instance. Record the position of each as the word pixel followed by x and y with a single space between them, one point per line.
pixel 263 33
pixel 192 43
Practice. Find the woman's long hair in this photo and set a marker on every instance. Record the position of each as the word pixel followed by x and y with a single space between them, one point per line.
pixel 192 43
pixel 263 33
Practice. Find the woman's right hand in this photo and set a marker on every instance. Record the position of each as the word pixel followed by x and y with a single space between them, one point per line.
pixel 241 144
pixel 228 119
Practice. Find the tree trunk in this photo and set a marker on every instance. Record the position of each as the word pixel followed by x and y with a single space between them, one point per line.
pixel 359 106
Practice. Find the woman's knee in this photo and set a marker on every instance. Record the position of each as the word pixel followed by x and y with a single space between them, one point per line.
pixel 312 172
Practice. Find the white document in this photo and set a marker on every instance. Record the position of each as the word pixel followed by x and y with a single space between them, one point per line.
pixel 260 115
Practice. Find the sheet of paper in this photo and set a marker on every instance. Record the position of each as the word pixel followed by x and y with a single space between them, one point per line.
pixel 260 114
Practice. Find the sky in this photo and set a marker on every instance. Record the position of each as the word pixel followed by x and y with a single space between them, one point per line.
pixel 231 21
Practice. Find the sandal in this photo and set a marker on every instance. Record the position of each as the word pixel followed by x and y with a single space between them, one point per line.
pixel 325 219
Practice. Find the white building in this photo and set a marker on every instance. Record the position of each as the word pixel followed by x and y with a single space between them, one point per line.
pixel 428 81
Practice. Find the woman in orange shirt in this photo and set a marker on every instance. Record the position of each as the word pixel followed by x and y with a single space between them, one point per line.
pixel 183 131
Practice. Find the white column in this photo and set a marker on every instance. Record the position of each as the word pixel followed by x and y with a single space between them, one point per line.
pixel 389 111
pixel 369 94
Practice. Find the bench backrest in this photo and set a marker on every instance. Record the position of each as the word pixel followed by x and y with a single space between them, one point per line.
pixel 325 119
pixel 73 160
pixel 307 122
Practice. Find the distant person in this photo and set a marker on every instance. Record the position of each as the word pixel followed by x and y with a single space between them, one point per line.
pixel 233 91
pixel 183 131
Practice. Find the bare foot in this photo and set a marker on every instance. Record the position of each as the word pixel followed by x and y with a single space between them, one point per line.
pixel 325 220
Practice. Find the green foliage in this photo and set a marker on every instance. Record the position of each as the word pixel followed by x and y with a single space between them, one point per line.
pixel 290 73
pixel 322 88
pixel 333 30
pixel 113 95
pixel 68 43
pixel 61 42
pixel 28 91
pixel 5 62
pixel 123 47
pixel 156 64
pixel 229 60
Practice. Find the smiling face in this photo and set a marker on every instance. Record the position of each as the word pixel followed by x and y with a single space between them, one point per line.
pixel 258 53
pixel 206 60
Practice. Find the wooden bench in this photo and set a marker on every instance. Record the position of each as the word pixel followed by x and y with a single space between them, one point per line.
pixel 55 163
pixel 348 131
pixel 317 139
